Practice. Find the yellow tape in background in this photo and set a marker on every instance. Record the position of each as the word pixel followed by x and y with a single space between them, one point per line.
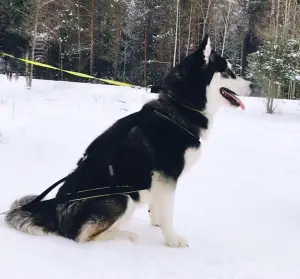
pixel 69 72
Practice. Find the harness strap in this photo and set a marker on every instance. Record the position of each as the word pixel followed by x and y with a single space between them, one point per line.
pixel 94 193
pixel 81 195
pixel 48 190
pixel 39 198
pixel 179 126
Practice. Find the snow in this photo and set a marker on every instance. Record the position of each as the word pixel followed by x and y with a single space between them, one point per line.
pixel 239 207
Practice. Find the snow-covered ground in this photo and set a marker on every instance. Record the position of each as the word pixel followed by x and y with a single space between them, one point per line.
pixel 239 207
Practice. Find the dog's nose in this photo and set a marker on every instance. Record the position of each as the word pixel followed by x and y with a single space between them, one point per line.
pixel 251 86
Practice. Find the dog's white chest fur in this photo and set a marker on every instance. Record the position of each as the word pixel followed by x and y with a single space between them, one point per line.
pixel 191 156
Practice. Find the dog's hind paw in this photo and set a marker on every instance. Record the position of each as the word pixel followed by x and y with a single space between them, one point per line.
pixel 176 241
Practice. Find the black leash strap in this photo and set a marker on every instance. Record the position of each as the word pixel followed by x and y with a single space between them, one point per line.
pixel 41 196
pixel 84 194
pixel 48 190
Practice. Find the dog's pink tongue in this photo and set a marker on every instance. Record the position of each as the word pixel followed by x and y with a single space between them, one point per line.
pixel 239 101
pixel 241 104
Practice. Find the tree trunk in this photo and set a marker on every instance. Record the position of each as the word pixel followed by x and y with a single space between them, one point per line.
pixel 92 36
pixel 210 2
pixel 146 54
pixel 118 39
pixel 189 34
pixel 124 59
pixel 79 38
pixel 226 27
pixel 294 24
pixel 286 17
pixel 277 20
pixel 27 68
pixel 176 33
pixel 271 94
pixel 36 21
pixel 242 57
pixel 61 60
pixel 179 37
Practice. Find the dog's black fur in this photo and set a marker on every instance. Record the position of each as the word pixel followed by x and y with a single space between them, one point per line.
pixel 153 140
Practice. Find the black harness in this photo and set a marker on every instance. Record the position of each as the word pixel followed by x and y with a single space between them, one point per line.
pixel 111 189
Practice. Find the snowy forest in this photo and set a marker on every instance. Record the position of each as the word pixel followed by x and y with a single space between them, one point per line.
pixel 137 41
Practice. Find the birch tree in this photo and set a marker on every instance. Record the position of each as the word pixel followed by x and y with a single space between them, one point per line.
pixel 176 33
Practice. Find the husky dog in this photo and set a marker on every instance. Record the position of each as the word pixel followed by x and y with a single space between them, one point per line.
pixel 149 150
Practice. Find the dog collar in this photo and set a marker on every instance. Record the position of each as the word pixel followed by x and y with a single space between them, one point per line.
pixel 185 105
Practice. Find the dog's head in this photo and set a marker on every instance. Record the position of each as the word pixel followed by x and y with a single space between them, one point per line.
pixel 206 81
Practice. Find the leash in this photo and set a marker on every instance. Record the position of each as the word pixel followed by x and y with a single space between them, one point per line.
pixel 78 74
pixel 41 196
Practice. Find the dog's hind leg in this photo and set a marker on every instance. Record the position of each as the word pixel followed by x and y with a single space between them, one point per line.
pixel 107 218
pixel 114 231
pixel 163 191
pixel 100 232
pixel 90 230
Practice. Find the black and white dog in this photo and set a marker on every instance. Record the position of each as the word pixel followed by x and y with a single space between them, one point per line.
pixel 149 149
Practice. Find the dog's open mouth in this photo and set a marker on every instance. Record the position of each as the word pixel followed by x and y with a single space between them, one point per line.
pixel 231 97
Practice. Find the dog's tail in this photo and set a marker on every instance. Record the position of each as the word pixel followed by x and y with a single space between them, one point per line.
pixel 37 219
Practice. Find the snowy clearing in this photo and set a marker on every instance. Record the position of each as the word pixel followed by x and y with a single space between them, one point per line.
pixel 239 207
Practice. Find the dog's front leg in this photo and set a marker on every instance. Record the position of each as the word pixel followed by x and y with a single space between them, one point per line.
pixel 163 209
pixel 153 217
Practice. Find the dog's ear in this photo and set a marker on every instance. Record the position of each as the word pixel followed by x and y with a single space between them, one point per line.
pixel 205 48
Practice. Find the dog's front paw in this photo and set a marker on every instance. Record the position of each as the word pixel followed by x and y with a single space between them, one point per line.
pixel 176 241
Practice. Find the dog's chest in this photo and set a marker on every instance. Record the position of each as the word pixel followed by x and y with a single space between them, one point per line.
pixel 191 156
